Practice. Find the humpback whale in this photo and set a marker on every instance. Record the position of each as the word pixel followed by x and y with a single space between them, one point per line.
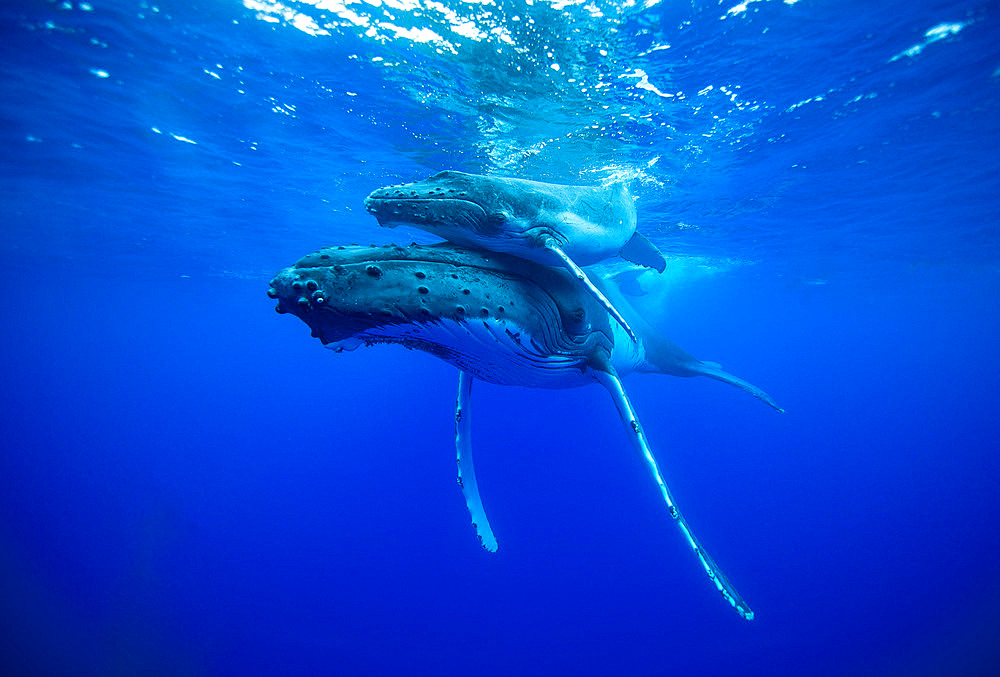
pixel 568 226
pixel 497 318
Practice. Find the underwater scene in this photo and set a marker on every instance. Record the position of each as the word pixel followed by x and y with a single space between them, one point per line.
pixel 709 291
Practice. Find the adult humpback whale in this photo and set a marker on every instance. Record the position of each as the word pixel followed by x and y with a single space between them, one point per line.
pixel 569 226
pixel 498 318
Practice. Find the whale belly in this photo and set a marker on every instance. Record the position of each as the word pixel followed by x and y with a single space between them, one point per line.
pixel 499 352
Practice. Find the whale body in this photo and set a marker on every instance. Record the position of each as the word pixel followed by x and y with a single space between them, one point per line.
pixel 498 318
pixel 552 224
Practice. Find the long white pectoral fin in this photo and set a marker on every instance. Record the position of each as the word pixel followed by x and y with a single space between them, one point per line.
pixel 641 251
pixel 597 293
pixel 612 383
pixel 466 471
pixel 714 370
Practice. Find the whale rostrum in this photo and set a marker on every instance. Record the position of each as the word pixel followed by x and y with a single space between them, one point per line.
pixel 498 318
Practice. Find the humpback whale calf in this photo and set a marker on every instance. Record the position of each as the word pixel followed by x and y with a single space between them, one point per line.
pixel 498 318
pixel 569 226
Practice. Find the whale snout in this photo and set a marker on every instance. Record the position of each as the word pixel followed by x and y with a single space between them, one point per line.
pixel 427 211
pixel 447 199
pixel 431 189
pixel 296 293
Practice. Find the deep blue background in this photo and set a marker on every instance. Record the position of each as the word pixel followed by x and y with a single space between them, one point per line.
pixel 189 484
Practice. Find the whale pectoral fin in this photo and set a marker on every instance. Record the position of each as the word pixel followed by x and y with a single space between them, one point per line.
pixel 609 379
pixel 640 251
pixel 714 370
pixel 466 471
pixel 582 276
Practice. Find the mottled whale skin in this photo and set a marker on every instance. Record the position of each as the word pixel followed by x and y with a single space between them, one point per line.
pixel 501 319
pixel 557 225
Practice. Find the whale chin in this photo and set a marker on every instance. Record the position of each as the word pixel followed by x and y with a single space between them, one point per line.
pixel 345 345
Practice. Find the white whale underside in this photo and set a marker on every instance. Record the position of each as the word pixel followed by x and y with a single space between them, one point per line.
pixel 496 351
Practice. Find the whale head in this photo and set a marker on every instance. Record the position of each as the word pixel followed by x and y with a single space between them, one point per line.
pixel 506 320
pixel 447 200
pixel 505 214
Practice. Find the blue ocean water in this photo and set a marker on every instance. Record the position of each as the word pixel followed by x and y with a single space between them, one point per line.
pixel 191 485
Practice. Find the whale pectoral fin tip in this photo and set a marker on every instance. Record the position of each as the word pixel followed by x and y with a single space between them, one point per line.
pixel 712 370
pixel 486 538
pixel 466 469
pixel 609 379
pixel 580 275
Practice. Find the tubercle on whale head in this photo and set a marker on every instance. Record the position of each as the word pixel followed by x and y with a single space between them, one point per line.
pixel 345 291
pixel 307 293
pixel 451 218
pixel 451 204
pixel 442 186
